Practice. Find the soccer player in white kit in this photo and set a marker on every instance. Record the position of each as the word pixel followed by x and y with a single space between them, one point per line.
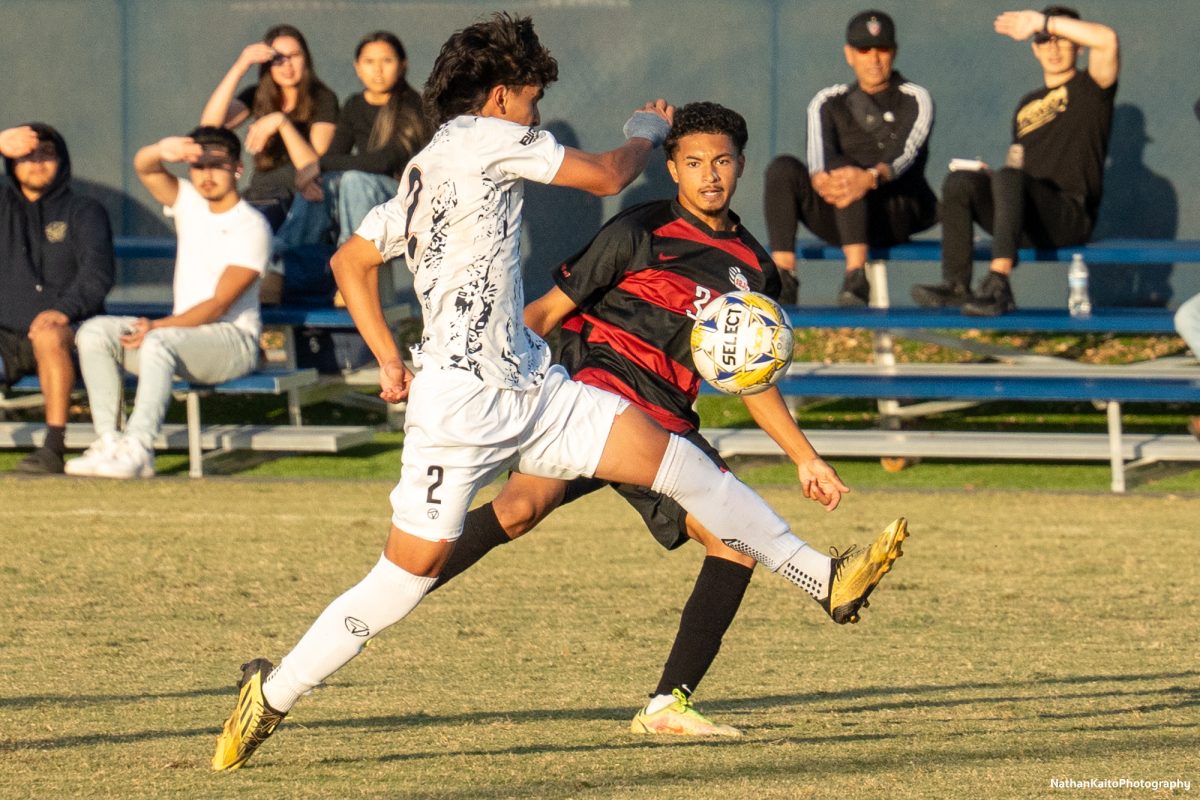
pixel 486 398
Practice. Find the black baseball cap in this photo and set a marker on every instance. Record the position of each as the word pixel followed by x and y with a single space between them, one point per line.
pixel 871 29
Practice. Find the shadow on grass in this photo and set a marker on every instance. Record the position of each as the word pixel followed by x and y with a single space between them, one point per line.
pixel 1173 698
pixel 28 701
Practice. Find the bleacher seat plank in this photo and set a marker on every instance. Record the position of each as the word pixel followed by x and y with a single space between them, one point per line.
pixel 1104 251
pixel 1038 320
pixel 985 445
pixel 265 438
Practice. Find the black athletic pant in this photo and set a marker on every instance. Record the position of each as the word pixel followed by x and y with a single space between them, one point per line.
pixel 886 216
pixel 1012 206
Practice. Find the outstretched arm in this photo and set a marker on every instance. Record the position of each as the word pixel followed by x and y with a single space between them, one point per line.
pixel 1103 46
pixel 818 480
pixel 356 266
pixel 607 173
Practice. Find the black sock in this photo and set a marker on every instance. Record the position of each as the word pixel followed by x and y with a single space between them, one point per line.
pixel 56 439
pixel 708 614
pixel 481 533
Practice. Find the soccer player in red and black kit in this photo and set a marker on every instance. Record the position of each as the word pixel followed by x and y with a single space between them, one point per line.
pixel 626 305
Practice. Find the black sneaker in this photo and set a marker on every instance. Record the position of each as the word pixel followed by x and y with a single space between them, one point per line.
pixel 42 461
pixel 994 298
pixel 942 295
pixel 856 291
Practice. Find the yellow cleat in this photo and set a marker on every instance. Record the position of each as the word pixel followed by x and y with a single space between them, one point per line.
pixel 251 722
pixel 681 719
pixel 856 574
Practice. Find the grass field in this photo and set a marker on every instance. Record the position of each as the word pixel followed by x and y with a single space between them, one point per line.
pixel 1024 637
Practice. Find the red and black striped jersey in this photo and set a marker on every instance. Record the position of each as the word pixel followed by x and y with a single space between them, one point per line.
pixel 638 286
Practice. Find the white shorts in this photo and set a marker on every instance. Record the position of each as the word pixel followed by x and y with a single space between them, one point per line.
pixel 460 434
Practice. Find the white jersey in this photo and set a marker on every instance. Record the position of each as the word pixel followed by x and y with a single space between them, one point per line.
pixel 210 242
pixel 457 221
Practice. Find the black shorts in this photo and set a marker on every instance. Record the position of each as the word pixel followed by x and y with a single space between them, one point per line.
pixel 665 519
pixel 16 351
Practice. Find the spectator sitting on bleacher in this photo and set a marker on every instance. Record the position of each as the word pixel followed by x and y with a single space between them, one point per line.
pixel 865 179
pixel 378 130
pixel 1049 193
pixel 289 100
pixel 56 266
pixel 212 333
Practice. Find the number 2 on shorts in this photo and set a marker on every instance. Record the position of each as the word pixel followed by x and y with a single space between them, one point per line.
pixel 437 473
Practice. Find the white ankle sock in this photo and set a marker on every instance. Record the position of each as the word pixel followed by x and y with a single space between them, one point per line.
pixel 659 702
pixel 724 505
pixel 382 598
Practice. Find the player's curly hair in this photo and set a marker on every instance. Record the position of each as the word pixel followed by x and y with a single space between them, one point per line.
pixel 501 51
pixel 706 118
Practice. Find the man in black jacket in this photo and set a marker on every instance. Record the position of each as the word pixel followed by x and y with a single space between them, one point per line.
pixel 864 183
pixel 56 266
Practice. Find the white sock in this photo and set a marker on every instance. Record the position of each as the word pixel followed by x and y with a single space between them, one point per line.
pixel 382 598
pixel 809 570
pixel 659 702
pixel 724 505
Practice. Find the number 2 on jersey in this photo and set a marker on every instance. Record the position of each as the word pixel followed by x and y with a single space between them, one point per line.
pixel 703 295
pixel 411 198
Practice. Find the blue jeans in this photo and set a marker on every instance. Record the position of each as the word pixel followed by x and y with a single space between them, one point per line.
pixel 1187 323
pixel 349 196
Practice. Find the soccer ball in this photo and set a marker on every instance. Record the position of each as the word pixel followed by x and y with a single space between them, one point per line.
pixel 742 343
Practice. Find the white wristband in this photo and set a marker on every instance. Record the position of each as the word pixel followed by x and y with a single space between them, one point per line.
pixel 647 125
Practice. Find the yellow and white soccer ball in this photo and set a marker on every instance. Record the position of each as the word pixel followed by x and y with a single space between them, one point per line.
pixel 742 343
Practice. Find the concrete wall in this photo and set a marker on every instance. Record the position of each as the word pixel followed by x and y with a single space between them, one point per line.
pixel 114 74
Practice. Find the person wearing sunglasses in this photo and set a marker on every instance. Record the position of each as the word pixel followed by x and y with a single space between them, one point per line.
pixel 864 183
pixel 1048 194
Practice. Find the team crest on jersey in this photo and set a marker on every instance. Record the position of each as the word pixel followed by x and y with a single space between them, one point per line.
pixel 56 231
pixel 738 279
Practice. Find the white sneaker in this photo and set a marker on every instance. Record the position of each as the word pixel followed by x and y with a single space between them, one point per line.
pixel 128 459
pixel 100 450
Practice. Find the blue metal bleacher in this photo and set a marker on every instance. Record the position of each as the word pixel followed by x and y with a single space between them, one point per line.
pixel 1026 378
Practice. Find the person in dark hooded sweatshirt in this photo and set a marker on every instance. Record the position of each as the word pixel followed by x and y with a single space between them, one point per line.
pixel 56 266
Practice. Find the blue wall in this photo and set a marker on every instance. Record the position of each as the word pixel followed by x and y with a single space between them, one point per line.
pixel 115 74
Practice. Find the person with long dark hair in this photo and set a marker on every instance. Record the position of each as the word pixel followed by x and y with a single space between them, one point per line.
pixel 289 105
pixel 378 131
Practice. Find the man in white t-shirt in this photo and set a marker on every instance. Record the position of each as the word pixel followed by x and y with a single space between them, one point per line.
pixel 212 333
pixel 486 398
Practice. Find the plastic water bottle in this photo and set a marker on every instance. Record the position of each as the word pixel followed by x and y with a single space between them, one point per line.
pixel 1078 301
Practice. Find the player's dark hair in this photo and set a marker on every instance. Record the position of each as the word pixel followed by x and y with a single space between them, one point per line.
pixel 1060 11
pixel 401 119
pixel 706 118
pixel 501 51
pixel 268 97
pixel 213 136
